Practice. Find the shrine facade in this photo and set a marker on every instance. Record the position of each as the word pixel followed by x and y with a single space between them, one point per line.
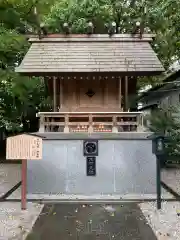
pixel 91 79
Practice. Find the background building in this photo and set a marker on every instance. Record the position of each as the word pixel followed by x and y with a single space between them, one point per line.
pixel 163 95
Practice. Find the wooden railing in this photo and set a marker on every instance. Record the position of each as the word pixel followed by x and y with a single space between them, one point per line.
pixel 90 122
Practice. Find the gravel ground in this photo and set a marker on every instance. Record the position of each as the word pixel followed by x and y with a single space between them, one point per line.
pixel 15 223
pixel 10 175
pixel 172 178
pixel 165 222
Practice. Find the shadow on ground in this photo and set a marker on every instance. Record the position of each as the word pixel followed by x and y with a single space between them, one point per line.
pixel 89 222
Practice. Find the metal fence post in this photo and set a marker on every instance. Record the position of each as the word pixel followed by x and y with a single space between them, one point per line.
pixel 158 148
pixel 158 181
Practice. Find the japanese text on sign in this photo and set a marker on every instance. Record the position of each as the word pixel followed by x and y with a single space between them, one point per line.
pixel 24 147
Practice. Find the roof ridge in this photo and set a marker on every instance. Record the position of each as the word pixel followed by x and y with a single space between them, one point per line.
pixel 91 38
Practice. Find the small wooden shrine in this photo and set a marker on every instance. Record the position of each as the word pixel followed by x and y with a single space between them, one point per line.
pixel 91 79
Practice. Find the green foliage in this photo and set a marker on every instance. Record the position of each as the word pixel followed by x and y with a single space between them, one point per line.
pixel 20 97
pixel 166 121
pixel 78 13
pixel 12 48
pixel 19 14
pixel 161 17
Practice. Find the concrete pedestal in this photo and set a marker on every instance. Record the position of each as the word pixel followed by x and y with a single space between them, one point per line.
pixel 123 166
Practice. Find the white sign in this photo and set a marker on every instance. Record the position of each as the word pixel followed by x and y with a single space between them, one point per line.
pixel 24 146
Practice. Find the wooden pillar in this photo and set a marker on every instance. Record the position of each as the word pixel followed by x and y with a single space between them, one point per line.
pixel 61 93
pixel 73 89
pixel 106 91
pixel 41 127
pixel 90 129
pixel 126 95
pixel 54 95
pixel 66 128
pixel 78 93
pixel 114 127
pixel 120 94
pixel 140 125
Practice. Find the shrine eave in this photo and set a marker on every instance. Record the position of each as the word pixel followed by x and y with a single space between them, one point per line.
pixel 89 74
pixel 120 54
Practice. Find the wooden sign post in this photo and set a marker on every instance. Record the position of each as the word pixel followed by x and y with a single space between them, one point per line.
pixel 24 147
pixel 24 184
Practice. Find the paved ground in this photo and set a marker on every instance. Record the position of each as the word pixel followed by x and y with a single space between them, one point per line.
pixel 90 222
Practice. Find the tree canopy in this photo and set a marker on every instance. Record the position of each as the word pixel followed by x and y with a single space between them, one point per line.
pixel 158 16
pixel 22 97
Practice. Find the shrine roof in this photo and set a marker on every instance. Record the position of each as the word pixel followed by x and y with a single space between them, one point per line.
pixel 168 84
pixel 120 53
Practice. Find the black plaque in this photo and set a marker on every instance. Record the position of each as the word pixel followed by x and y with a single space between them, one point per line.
pixel 90 148
pixel 91 166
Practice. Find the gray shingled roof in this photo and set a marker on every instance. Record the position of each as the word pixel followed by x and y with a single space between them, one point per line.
pixel 98 53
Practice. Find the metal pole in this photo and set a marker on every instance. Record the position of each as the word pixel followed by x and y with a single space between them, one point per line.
pixel 158 182
pixel 24 184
